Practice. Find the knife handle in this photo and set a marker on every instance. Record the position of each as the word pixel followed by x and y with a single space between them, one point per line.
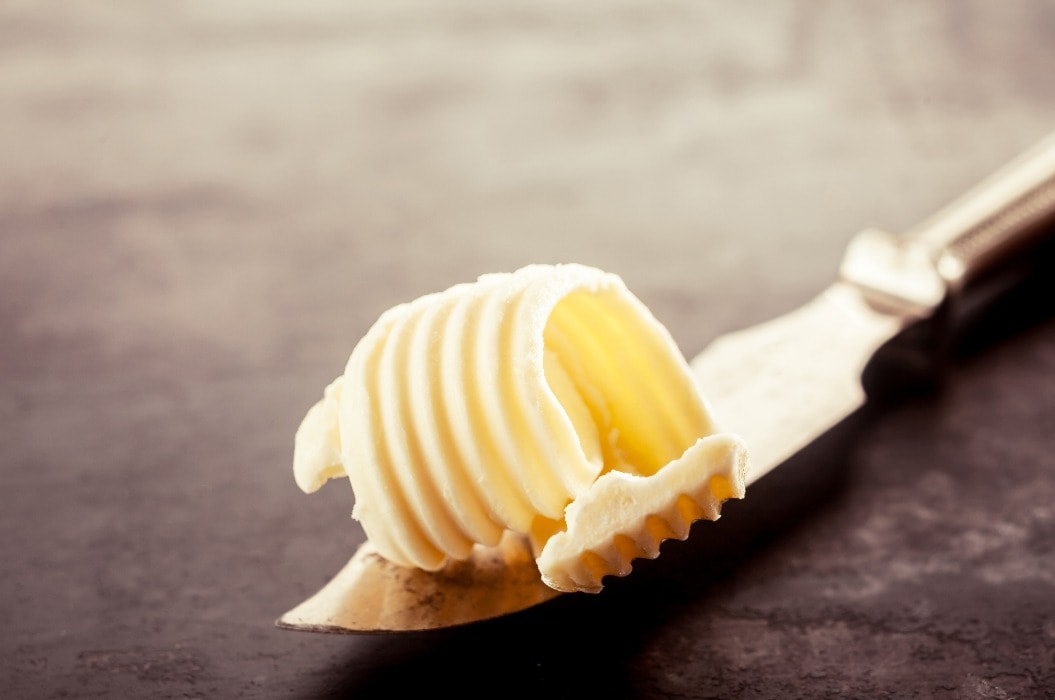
pixel 1002 217
pixel 936 261
pixel 942 276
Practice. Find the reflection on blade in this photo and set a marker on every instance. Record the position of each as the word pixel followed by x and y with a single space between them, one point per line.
pixel 371 594
pixel 783 383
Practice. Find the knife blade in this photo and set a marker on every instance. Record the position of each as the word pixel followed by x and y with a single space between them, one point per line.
pixel 780 385
pixel 783 383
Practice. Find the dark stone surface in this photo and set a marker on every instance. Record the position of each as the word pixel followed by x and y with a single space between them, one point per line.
pixel 204 205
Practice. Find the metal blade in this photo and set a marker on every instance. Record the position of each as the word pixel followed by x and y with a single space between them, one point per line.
pixel 371 594
pixel 783 383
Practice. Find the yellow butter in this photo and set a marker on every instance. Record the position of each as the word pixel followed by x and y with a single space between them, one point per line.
pixel 548 401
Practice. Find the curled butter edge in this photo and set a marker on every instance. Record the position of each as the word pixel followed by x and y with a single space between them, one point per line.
pixel 625 517
pixel 548 401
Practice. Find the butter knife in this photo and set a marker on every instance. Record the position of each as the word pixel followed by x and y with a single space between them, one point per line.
pixel 780 385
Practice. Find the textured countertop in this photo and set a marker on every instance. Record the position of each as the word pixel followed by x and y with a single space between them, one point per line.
pixel 204 205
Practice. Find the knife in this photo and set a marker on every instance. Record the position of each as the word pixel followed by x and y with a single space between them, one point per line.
pixel 779 385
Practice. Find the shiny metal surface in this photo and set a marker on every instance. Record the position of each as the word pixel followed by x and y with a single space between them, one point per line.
pixel 781 384
pixel 370 594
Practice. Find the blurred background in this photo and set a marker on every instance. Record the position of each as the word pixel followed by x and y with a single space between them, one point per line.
pixel 204 205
